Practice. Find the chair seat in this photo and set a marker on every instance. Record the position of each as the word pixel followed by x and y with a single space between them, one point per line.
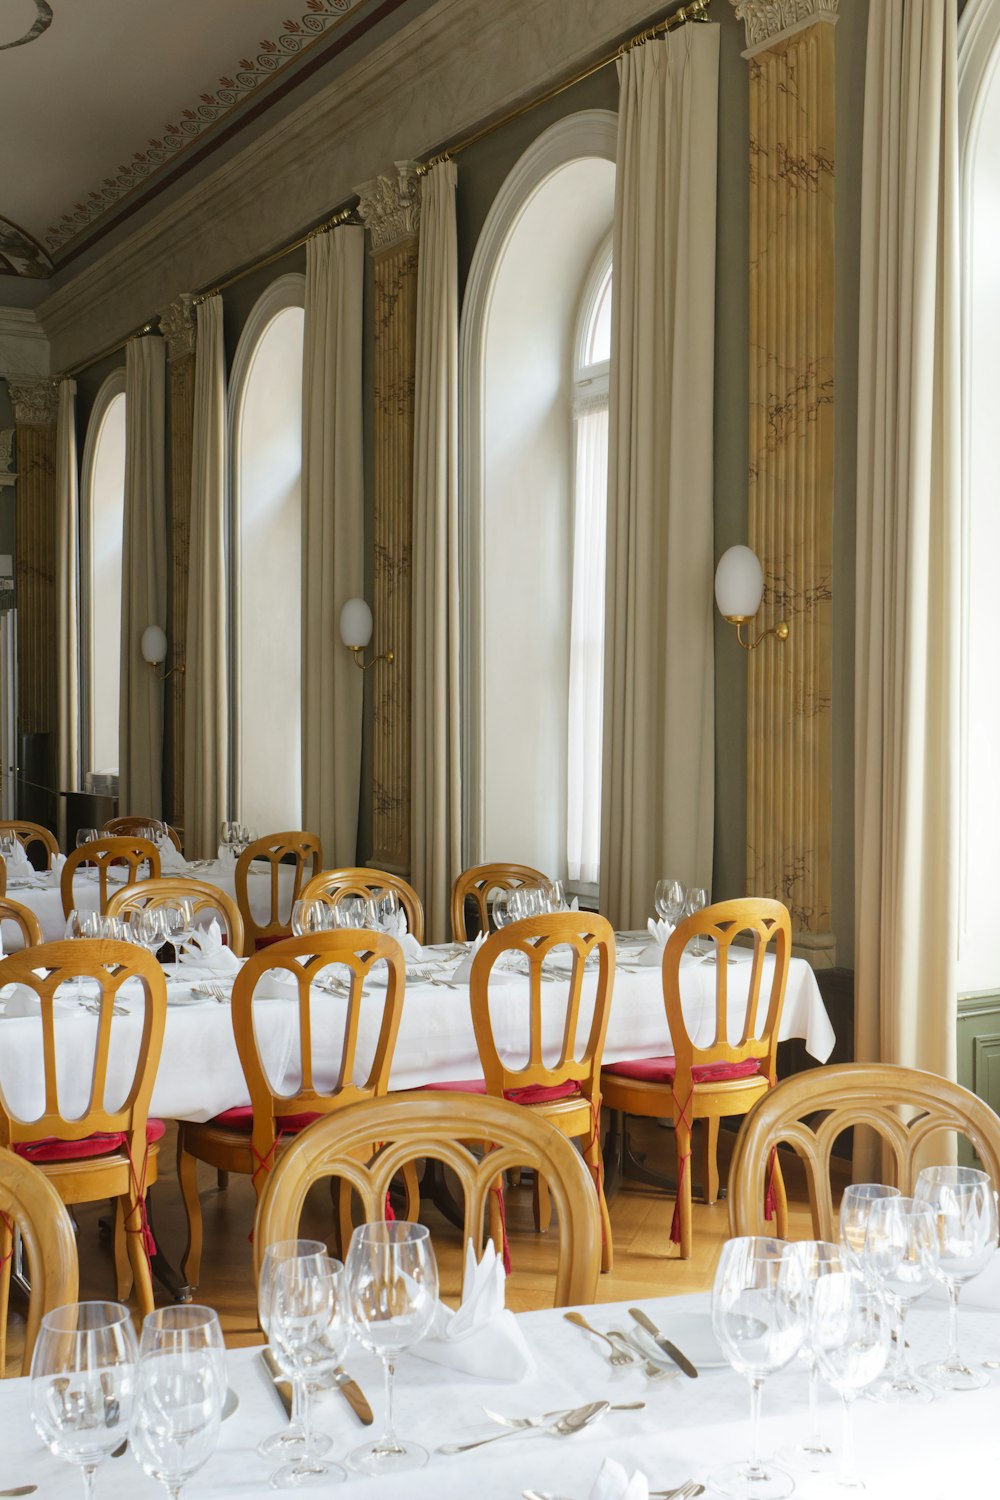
pixel 273 937
pixel 663 1069
pixel 532 1093
pixel 240 1120
pixel 51 1148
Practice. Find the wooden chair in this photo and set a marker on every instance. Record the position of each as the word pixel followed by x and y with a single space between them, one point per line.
pixel 170 888
pixel 246 1139
pixel 105 852
pixel 100 1153
pixel 127 827
pixel 425 1124
pixel 478 884
pixel 711 1079
pixel 30 1204
pixel 810 1110
pixel 275 848
pixel 331 886
pixel 24 918
pixel 32 833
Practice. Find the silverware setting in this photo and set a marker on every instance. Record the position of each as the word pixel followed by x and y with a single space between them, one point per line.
pixel 22 1489
pixel 618 1355
pixel 216 992
pixel 687 1491
pixel 679 1358
pixel 653 1370
pixel 570 1422
pixel 524 1423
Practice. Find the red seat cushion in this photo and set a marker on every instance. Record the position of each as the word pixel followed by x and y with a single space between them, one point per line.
pixel 532 1093
pixel 274 937
pixel 51 1148
pixel 240 1120
pixel 662 1070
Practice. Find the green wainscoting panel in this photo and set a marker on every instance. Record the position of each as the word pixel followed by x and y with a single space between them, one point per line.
pixel 979 1053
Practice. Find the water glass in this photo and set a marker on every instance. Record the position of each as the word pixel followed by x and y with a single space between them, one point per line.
pixel 310 917
pixel 180 1391
pixel 291 1441
pixel 555 896
pixel 384 911
pixel 696 900
pixel 85 836
pixel 669 900
pixel 308 1331
pixel 965 1213
pixel 849 1331
pixel 855 1206
pixel 818 1258
pixel 901 1261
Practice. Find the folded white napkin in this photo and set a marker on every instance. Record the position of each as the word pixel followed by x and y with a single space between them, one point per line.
pixel 19 866
pixel 55 874
pixel 659 930
pixel 483 1337
pixel 206 953
pixel 613 1483
pixel 172 861
pixel 464 971
pixel 398 929
pixel 21 1000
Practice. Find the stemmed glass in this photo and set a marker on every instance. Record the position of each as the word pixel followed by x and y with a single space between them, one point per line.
pixel 310 917
pixel 500 909
pixel 226 852
pixel 393 1284
pixel 669 900
pixel 82 1382
pixel 965 1212
pixel 308 1333
pixel 855 1206
pixel 850 1334
pixel 757 1316
pixel 384 911
pixel 291 1442
pixel 901 1261
pixel 697 898
pixel 180 1391
pixel 818 1258
pixel 85 836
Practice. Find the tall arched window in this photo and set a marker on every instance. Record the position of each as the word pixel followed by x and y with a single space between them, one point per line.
pixel 103 496
pixel 266 418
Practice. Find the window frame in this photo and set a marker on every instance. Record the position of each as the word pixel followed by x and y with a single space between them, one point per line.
pixel 112 387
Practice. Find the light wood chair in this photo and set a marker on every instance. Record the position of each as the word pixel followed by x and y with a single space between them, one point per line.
pixel 30 1204
pixel 810 1110
pixel 127 827
pixel 275 849
pixel 425 1124
pixel 102 1153
pixel 105 852
pixel 331 886
pixel 478 884
pixel 24 918
pixel 32 833
pixel 713 1078
pixel 247 1139
pixel 168 889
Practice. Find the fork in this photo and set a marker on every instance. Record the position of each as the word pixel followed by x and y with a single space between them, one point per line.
pixel 654 1371
pixel 618 1355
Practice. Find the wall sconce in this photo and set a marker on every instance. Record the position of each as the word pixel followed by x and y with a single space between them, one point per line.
pixel 739 588
pixel 154 651
pixel 356 632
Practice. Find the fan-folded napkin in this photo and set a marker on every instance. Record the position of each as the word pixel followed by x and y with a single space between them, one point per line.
pixel 482 1338
pixel 613 1483
pixel 19 866
pixel 659 931
pixel 464 971
pixel 172 861
pixel 54 876
pixel 396 928
pixel 206 953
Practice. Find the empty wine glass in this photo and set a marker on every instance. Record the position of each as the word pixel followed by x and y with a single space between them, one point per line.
pixel 965 1213
pixel 180 1390
pixel 308 1332
pixel 83 924
pixel 818 1258
pixel 900 1261
pixel 393 1284
pixel 385 911
pixel 696 900
pixel 310 917
pixel 669 900
pixel 8 843
pixel 500 909
pixel 555 896
pixel 85 836
pixel 855 1206
pixel 82 1382
pixel 757 1316
pixel 849 1331
pixel 291 1442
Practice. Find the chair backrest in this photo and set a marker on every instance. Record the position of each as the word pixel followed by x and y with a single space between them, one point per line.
pixel 126 827
pixel 167 889
pixel 24 917
pixel 425 1123
pixel 104 852
pixel 110 964
pixel 30 1202
pixel 331 886
pixel 349 1006
pixel 810 1110
pixel 478 884
pixel 32 833
pixel 276 849
pixel 768 923
pixel 577 935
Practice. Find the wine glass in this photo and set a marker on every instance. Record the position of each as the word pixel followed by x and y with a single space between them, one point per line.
pixel 669 900
pixel 308 1331
pixel 500 909
pixel 83 924
pixel 855 1206
pixel 291 1442
pixel 225 850
pixel 176 926
pixel 818 1258
pixel 757 1316
pixel 146 928
pixel 85 836
pixel 309 917
pixel 696 900
pixel 900 1261
pixel 82 1382
pixel 180 1390
pixel 555 896
pixel 385 910
pixel 965 1212
pixel 393 1284
pixel 850 1334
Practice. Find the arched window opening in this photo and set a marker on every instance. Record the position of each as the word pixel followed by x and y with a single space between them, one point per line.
pixel 104 519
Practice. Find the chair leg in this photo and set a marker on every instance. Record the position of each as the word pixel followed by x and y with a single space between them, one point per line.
pixel 136 1245
pixel 6 1256
pixel 592 1156
pixel 541 1203
pixel 124 1278
pixel 187 1177
pixel 222 1178
pixel 710 1158
pixel 682 1136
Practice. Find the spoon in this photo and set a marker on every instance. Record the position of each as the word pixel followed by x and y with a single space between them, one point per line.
pixel 572 1421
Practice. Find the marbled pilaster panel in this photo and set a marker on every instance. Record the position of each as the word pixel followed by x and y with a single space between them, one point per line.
pixel 178 325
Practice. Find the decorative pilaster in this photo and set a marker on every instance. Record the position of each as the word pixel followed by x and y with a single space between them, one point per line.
pixel 177 323
pixel 390 210
pixel 789 731
pixel 35 403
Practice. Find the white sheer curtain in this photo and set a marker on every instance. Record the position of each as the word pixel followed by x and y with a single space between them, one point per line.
pixel 586 660
pixel 658 770
pixel 67 587
pixel 206 685
pixel 436 792
pixel 144 578
pixel 332 538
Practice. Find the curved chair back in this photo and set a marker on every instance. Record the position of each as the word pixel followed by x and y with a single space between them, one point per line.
pixel 24 917
pixel 478 884
pixel 170 888
pixel 409 1126
pixel 32 833
pixel 105 852
pixel 132 825
pixel 810 1110
pixel 331 886
pixel 274 849
pixel 29 1203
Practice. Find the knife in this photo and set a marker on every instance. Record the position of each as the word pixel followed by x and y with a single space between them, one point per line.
pixel 671 1350
pixel 281 1384
pixel 354 1396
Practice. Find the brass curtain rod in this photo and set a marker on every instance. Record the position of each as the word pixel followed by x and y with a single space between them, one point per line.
pixel 150 326
pixel 344 215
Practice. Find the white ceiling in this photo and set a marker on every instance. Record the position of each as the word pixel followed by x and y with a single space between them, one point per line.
pixel 115 92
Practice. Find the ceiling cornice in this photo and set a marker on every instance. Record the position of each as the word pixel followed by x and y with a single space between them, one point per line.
pixel 23 345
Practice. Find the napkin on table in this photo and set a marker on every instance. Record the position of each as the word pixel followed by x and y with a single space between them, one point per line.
pixel 613 1483
pixel 172 861
pixel 55 874
pixel 206 953
pixel 19 866
pixel 397 929
pixel 464 971
pixel 659 931
pixel 482 1338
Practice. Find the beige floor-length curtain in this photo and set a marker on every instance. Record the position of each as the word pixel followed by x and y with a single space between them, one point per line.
pixel 67 588
pixel 333 566
pixel 144 577
pixel 908 542
pixel 658 786
pixel 436 786
pixel 206 696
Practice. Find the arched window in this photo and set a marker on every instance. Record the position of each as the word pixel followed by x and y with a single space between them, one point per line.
pixel 103 496
pixel 266 533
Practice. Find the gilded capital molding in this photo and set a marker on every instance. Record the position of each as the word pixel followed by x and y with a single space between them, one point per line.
pixel 35 402
pixel 178 325
pixel 770 21
pixel 390 205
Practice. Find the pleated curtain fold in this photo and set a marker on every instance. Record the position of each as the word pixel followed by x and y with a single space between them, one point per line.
pixel 333 566
pixel 658 784
pixel 436 788
pixel 67 589
pixel 144 578
pixel 206 689
pixel 909 542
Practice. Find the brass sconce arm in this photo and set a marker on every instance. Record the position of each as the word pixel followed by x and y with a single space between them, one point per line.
pixel 356 651
pixel 780 631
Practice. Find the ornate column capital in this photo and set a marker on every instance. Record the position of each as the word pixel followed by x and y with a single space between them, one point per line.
pixel 178 326
pixel 35 402
pixel 770 21
pixel 390 205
